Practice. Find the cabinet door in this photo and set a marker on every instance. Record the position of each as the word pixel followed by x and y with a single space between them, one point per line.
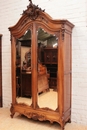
pixel 47 56
pixel 50 55
pixel 54 56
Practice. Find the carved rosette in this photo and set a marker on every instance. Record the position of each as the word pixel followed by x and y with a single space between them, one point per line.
pixel 32 11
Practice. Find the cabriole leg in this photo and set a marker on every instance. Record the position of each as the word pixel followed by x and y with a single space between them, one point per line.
pixel 12 111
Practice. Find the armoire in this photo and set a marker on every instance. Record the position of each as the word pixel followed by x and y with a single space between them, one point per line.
pixel 41 51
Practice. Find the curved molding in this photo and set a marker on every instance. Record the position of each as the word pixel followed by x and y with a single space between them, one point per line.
pixel 35 15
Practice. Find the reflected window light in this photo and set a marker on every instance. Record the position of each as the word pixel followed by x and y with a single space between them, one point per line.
pixel 26 32
pixel 54 45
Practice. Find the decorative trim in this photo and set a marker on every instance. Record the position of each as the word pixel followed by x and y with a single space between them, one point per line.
pixel 43 19
pixel 47 109
pixel 34 116
pixel 62 34
pixel 24 22
pixel 32 11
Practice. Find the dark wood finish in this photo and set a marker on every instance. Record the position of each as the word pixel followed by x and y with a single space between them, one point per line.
pixel 0 70
pixel 51 61
pixel 33 18
pixel 26 84
pixel 50 56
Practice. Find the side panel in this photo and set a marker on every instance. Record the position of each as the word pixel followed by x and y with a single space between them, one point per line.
pixel 67 72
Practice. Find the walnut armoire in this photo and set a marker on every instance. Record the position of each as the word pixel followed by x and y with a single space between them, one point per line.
pixel 41 57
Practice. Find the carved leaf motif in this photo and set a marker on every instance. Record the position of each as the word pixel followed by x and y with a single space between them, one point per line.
pixel 34 116
pixel 32 11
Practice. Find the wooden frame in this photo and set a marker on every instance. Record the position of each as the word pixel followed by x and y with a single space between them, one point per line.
pixel 33 18
pixel 0 70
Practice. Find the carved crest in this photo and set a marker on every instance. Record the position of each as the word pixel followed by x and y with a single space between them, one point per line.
pixel 34 116
pixel 32 11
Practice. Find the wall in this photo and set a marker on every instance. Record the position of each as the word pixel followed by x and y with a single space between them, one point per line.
pixel 73 10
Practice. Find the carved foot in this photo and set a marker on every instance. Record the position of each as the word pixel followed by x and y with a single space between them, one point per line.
pixel 62 128
pixel 62 125
pixel 12 114
pixel 12 111
pixel 69 120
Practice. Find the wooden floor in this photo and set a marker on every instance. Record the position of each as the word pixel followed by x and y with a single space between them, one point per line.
pixel 22 123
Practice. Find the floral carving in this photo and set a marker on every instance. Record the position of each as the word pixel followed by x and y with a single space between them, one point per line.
pixel 34 116
pixel 32 11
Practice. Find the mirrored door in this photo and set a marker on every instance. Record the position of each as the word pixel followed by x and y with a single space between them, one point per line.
pixel 47 70
pixel 23 69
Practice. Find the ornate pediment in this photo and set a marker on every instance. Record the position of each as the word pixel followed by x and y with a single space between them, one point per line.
pixel 32 11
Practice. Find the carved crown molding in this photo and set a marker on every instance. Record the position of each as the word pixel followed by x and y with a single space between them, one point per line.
pixel 32 11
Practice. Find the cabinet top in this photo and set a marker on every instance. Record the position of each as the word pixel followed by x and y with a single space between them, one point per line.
pixel 34 14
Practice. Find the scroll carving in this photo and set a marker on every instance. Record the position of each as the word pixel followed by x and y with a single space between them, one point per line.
pixel 32 11
pixel 35 116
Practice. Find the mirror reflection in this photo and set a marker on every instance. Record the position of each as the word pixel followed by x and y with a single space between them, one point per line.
pixel 23 69
pixel 47 70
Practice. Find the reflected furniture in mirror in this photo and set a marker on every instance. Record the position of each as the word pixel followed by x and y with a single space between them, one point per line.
pixel 0 70
pixel 41 66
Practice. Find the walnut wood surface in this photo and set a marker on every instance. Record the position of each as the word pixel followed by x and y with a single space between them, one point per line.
pixel 33 18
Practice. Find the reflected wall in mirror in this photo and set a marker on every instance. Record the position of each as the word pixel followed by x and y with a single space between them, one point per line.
pixel 47 70
pixel 23 69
